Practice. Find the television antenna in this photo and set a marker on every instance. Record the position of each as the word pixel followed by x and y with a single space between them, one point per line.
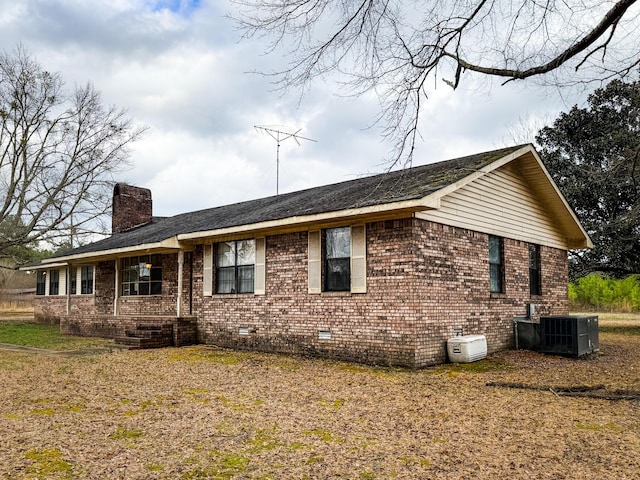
pixel 280 136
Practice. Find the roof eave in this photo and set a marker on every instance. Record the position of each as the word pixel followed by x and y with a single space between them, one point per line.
pixel 183 241
pixel 169 244
pixel 42 266
pixel 407 206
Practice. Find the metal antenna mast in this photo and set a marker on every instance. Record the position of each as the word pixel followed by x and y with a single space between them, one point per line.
pixel 280 136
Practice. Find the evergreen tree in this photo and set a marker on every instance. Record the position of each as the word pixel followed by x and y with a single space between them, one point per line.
pixel 593 154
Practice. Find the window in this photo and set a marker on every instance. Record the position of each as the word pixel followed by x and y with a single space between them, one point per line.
pixel 337 259
pixel 535 274
pixel 496 264
pixel 141 275
pixel 54 282
pixel 86 280
pixel 235 266
pixel 41 282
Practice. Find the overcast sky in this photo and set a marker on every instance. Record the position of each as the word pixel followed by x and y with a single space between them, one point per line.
pixel 180 68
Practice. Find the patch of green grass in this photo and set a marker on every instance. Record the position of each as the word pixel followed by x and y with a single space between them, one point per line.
pixel 596 427
pixel 481 366
pixel 208 354
pixel 322 434
pixel 48 463
pixel 225 467
pixel 263 440
pixel 45 336
pixel 126 434
pixel 298 446
pixel 43 411
pixel 154 467
pixel 325 402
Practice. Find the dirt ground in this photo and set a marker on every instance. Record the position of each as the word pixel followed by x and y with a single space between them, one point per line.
pixel 205 413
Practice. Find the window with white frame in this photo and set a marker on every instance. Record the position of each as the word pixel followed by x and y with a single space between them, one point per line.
pixel 85 274
pixel 235 266
pixel 86 279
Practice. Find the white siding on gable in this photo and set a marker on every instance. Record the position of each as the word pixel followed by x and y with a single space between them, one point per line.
pixel 499 203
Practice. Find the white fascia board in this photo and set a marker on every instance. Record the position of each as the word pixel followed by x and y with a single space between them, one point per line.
pixel 168 244
pixel 406 206
pixel 587 243
pixel 43 266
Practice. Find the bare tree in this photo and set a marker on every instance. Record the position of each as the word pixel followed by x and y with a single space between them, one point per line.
pixel 400 49
pixel 58 150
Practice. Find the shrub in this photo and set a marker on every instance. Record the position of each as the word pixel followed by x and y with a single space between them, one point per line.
pixel 599 292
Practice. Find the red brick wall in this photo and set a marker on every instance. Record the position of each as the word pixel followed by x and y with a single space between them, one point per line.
pixel 48 309
pixel 101 302
pixel 104 288
pixel 426 282
pixel 131 207
pixel 454 288
pixel 375 327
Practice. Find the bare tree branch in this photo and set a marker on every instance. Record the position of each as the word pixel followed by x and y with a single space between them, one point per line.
pixel 394 49
pixel 58 151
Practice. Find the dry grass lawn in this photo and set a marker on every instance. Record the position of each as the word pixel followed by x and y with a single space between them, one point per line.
pixel 205 413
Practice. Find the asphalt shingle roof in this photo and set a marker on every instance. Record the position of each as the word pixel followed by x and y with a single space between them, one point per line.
pixel 406 184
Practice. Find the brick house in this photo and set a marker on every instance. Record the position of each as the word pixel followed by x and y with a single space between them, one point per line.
pixel 381 269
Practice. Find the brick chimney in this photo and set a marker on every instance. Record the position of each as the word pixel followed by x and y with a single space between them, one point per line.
pixel 131 207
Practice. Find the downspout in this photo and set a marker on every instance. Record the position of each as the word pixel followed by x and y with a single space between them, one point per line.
pixel 180 273
pixel 116 295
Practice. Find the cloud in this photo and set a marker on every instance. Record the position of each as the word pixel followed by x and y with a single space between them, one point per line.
pixel 179 68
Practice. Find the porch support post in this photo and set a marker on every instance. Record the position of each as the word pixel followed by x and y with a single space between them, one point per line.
pixel 116 295
pixel 69 270
pixel 180 274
